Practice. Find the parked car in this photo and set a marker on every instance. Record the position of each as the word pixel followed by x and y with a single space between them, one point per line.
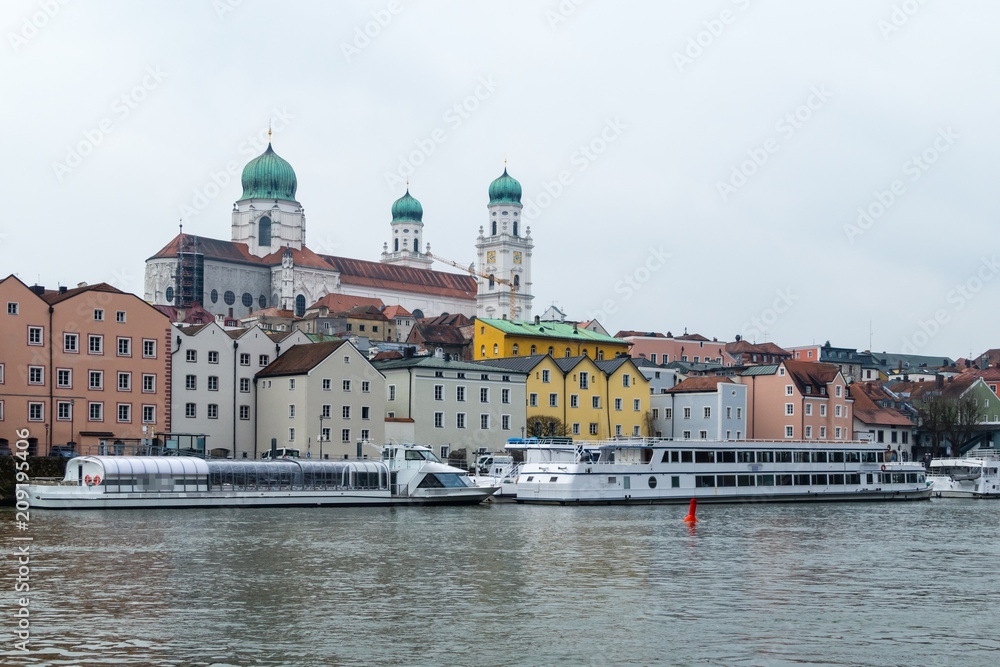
pixel 281 453
pixel 63 451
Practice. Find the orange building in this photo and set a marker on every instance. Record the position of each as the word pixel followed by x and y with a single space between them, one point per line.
pixel 80 366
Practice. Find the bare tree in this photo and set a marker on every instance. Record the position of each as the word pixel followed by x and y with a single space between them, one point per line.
pixel 542 426
pixel 951 419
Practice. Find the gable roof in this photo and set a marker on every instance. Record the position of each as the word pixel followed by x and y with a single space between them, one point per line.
pixel 698 384
pixel 516 364
pixel 392 312
pixel 868 411
pixel 340 302
pixel 556 330
pixel 436 334
pixel 812 374
pixel 300 359
pixel 430 361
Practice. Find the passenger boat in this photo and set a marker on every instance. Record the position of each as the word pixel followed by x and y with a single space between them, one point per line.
pixel 405 475
pixel 665 471
pixel 497 471
pixel 970 477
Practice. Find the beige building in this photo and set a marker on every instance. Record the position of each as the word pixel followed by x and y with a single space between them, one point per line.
pixel 324 399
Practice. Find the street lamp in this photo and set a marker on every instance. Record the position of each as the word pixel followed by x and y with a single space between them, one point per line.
pixel 72 419
pixel 322 417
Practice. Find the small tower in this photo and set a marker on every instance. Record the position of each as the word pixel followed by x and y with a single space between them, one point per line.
pixel 407 246
pixel 504 255
pixel 287 280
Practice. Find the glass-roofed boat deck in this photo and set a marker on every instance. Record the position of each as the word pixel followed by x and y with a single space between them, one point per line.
pixel 173 474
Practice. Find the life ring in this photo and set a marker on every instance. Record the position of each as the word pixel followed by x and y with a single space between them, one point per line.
pixel 88 480
pixel 97 479
pixel 883 469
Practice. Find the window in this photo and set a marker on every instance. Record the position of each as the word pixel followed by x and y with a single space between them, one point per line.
pixel 96 412
pixel 149 414
pixel 124 413
pixel 574 401
pixel 34 335
pixel 12 307
pixel 347 385
pixel 244 385
pixel 636 405
pixel 325 411
pixel 533 400
pixel 213 411
pixel 839 390
pixel 36 375
pixel 505 396
pixel 809 432
pixel 98 315
pixel 618 404
pixel 484 422
pixel 1 373
pixel 191 356
pixel 149 348
pixel 822 410
pixel 291 384
pixel 584 380
pixel 148 383
pixel 460 420
pixel 553 400
pixel 345 412
pixel 438 420
pixel 36 412
pixel 124 347
pixel 739 413
pixel 703 435
pixel 822 432
pixel 545 376
pixel 438 392
pixel 291 434
pixel 593 428
pixel 244 412
pixel 687 413
pixel 809 409
pixel 484 395
pixel 505 422
pixel 64 410
pixel 263 360
pixel 71 343
pixel 708 412
pixel 836 410
pixel 366 387
pixel 95 344
pixel 190 410
pixel 515 349
pixel 789 408
pixel 191 382
pixel 213 383
pixel 244 359
pixel 789 390
pixel 96 380
pixel 64 378
pixel 837 430
pixel 595 402
pixel 626 380
pixel 576 428
pixel 392 392
pixel 213 357
pixel 124 381
pixel 789 431
pixel 327 384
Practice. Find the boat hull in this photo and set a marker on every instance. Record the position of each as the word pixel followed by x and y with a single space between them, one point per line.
pixel 859 496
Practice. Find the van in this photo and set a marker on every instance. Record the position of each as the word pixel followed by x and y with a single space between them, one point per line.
pixel 281 453
pixel 493 464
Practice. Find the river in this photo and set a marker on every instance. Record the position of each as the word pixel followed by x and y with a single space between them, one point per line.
pixel 504 584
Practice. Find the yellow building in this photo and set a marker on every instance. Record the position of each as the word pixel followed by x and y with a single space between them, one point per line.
pixel 595 400
pixel 498 339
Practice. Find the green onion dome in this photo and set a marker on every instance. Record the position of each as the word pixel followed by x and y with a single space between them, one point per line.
pixel 407 208
pixel 505 190
pixel 269 176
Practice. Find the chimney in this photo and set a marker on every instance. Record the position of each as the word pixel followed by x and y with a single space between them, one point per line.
pixel 62 289
pixel 37 289
pixel 938 381
pixel 538 319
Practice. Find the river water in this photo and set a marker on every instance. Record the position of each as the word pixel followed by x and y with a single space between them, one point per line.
pixel 503 584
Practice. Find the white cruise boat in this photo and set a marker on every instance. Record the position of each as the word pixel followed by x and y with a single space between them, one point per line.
pixel 497 471
pixel 405 475
pixel 969 477
pixel 664 471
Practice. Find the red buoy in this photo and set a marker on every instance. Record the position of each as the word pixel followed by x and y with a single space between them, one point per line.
pixel 692 510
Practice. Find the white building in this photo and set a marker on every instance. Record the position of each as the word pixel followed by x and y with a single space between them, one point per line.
pixel 504 251
pixel 324 399
pixel 660 379
pixel 212 390
pixel 701 408
pixel 452 405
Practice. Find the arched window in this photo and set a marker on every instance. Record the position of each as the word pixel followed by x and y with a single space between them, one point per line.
pixel 517 281
pixel 568 352
pixel 300 305
pixel 492 281
pixel 496 349
pixel 600 355
pixel 515 349
pixel 395 245
pixel 551 350
pixel 416 244
pixel 584 352
pixel 494 228
pixel 515 228
pixel 482 351
pixel 264 232
pixel 534 350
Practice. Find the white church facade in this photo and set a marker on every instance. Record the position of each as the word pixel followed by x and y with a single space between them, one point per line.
pixel 267 263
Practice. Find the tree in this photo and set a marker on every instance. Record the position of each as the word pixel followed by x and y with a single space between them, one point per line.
pixel 951 419
pixel 542 426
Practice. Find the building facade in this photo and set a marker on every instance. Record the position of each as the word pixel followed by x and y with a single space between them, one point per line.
pixel 703 408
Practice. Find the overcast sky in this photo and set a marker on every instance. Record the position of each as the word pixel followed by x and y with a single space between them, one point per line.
pixel 792 171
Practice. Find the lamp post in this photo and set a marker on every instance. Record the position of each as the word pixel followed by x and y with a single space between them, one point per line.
pixel 322 417
pixel 72 420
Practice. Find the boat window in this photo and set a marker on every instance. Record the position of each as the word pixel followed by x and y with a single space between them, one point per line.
pixel 836 457
pixel 819 457
pixel 765 480
pixel 725 457
pixel 652 482
pixel 726 480
pixel 686 457
pixel 836 479
pixel 898 478
pixel 675 456
pixel 783 457
pixel 439 480
pixel 703 481
pixel 531 478
pixel 800 457
pixel 746 457
pixel 852 457
pixel 783 480
pixel 553 479
pixel 765 457
pixel 819 479
pixel 801 480
pixel 666 456
pixel 612 480
pixel 853 478
pixel 704 457
pixel 746 480
pixel 675 482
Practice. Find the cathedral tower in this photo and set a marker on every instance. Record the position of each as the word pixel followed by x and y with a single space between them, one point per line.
pixel 504 255
pixel 407 246
pixel 267 217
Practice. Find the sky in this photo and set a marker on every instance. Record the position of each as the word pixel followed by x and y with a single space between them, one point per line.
pixel 791 171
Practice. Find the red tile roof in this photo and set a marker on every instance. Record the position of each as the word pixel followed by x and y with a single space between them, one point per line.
pixel 392 312
pixel 694 384
pixel 811 374
pixel 53 297
pixel 868 411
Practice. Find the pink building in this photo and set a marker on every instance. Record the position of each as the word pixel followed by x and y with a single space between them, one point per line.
pixel 81 365
pixel 797 400
pixel 663 349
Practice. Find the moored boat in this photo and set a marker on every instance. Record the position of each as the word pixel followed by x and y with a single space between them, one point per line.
pixel 969 477
pixel 405 475
pixel 663 471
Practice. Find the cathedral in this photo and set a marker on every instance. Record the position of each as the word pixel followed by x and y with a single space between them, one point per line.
pixel 267 263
